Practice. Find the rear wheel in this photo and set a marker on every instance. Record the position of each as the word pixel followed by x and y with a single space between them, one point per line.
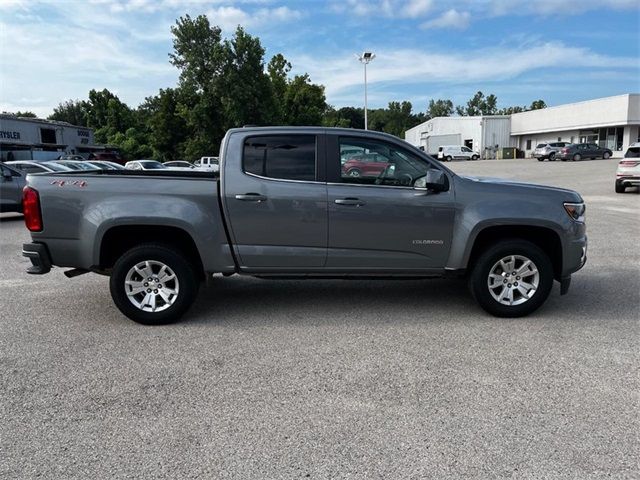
pixel 512 279
pixel 153 284
pixel 606 155
pixel 552 157
pixel 620 188
pixel 576 157
pixel 541 159
pixel 474 157
pixel 354 172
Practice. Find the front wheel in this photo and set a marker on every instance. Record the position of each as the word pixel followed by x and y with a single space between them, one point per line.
pixel 606 155
pixel 577 157
pixel 512 279
pixel 474 157
pixel 552 157
pixel 153 284
pixel 448 159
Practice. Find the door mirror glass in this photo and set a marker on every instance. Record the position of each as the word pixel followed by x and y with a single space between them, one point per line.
pixel 434 180
pixel 6 173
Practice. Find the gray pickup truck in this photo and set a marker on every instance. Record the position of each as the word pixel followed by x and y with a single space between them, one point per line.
pixel 284 207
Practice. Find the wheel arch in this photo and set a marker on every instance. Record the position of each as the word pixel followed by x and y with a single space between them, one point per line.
pixel 545 238
pixel 118 239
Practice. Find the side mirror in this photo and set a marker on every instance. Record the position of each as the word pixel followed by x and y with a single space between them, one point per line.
pixel 6 174
pixel 434 180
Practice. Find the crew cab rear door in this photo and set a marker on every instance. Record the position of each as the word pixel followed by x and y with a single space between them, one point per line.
pixel 275 199
pixel 381 223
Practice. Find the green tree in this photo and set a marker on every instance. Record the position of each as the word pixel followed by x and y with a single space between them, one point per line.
pixel 247 96
pixel 346 117
pixel 200 55
pixel 167 128
pixel 25 114
pixel 439 108
pixel 537 105
pixel 479 105
pixel 304 102
pixel 278 70
pixel 398 118
pixel 71 111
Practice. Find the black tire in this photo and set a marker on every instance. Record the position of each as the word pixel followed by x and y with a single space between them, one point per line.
pixel 620 188
pixel 183 269
pixel 448 158
pixel 552 157
pixel 563 159
pixel 606 156
pixel 354 172
pixel 541 159
pixel 474 157
pixel 576 157
pixel 478 280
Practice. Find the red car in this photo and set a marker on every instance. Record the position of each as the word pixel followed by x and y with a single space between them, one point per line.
pixel 366 165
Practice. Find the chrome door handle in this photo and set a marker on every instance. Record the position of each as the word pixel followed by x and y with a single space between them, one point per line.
pixel 251 197
pixel 349 201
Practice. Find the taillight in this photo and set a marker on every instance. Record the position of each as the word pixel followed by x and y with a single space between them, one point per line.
pixel 565 150
pixel 31 209
pixel 629 163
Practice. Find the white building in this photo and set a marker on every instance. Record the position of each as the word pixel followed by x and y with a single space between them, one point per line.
pixel 480 134
pixel 612 122
pixel 23 138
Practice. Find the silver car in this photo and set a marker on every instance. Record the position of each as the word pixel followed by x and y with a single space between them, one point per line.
pixel 548 150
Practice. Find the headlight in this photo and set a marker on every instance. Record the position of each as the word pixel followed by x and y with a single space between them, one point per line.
pixel 575 210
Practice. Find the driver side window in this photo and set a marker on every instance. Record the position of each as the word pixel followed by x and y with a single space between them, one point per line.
pixel 373 162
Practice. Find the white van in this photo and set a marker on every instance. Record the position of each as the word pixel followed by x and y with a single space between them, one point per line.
pixel 446 153
pixel 208 163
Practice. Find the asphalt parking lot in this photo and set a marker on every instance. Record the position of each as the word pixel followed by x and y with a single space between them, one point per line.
pixel 332 379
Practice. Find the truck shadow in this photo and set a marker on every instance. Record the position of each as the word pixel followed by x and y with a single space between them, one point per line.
pixel 245 300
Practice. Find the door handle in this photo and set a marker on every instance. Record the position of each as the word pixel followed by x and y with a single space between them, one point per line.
pixel 251 197
pixel 349 201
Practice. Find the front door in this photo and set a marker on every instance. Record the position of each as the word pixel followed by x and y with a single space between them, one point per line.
pixel 276 202
pixel 380 223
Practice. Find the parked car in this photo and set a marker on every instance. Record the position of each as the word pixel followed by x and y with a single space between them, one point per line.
pixel 628 173
pixel 71 157
pixel 178 164
pixel 579 151
pixel 548 150
pixel 145 165
pixel 159 237
pixel 12 181
pixel 365 165
pixel 447 153
pixel 28 166
pixel 208 163
pixel 108 156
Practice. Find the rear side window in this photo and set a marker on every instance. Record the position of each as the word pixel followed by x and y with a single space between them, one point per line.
pixel 633 152
pixel 287 157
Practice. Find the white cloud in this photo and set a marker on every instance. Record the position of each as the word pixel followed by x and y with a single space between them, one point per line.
pixel 229 17
pixel 449 19
pixel 341 73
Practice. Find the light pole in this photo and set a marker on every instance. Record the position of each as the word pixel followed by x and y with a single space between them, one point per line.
pixel 365 58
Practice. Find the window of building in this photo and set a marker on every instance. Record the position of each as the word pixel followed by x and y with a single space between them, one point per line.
pixel 559 139
pixel 528 147
pixel 48 135
pixel 287 157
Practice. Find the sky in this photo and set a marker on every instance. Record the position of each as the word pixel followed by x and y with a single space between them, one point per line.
pixel 520 50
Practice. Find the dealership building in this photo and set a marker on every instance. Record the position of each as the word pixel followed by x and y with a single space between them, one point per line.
pixel 611 122
pixel 23 138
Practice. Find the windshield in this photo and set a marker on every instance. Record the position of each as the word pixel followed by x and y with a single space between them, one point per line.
pixel 56 167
